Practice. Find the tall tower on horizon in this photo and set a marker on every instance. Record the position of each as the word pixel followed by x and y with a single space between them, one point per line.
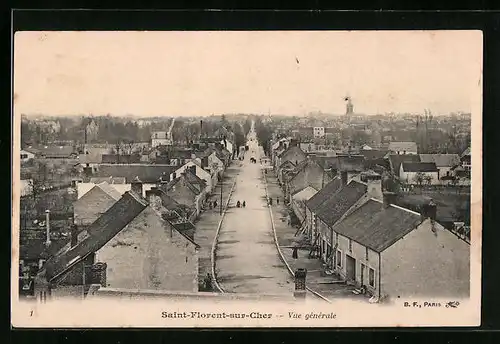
pixel 349 106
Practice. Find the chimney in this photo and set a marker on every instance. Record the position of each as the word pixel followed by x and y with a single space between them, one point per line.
pixel 429 210
pixel 154 198
pixel 74 235
pixel 47 223
pixel 374 184
pixel 136 186
pixel 389 198
pixel 300 283
pixel 343 177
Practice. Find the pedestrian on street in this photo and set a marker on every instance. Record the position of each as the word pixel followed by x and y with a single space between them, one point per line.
pixel 277 200
pixel 244 204
pixel 215 204
pixel 270 201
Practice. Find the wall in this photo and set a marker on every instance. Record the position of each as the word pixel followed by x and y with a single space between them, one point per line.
pixel 148 254
pixel 95 203
pixel 359 253
pixel 423 264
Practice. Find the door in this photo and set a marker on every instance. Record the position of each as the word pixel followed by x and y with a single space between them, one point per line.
pixel 350 264
pixel 362 279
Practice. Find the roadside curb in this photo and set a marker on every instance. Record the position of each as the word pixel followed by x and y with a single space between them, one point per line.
pixel 280 253
pixel 214 244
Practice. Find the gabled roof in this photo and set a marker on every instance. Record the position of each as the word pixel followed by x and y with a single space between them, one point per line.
pixel 441 160
pixel 337 205
pixel 148 173
pixel 169 186
pixel 402 146
pixel 419 167
pixel 377 227
pixel 303 165
pixel 291 149
pixel 287 164
pixel 396 160
pixel 57 151
pixel 99 233
pixel 322 195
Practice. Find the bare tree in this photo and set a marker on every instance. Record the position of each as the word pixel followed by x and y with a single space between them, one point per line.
pixel 419 178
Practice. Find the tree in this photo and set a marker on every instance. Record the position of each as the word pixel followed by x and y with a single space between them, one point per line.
pixel 419 178
pixel 428 179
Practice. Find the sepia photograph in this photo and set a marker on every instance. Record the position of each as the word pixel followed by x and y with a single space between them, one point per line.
pixel 246 178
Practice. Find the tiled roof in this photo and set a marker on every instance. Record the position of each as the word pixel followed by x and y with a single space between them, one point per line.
pixel 287 164
pixel 99 233
pixel 121 158
pixel 289 150
pixel 322 195
pixel 148 173
pixel 402 146
pixel 419 167
pixel 337 205
pixel 396 160
pixel 441 160
pixel 377 227
pixel 351 163
pixel 51 150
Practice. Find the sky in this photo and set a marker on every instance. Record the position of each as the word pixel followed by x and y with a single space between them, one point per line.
pixel 203 73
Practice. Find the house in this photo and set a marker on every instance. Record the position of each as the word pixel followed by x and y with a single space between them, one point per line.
pixel 465 159
pixel 403 148
pixel 195 165
pixel 149 174
pixel 26 155
pixel 396 160
pixel 94 203
pixel 419 173
pixel 161 138
pixel 293 154
pixel 187 189
pixel 299 199
pixel 91 159
pixel 398 253
pixel 307 173
pixel 283 169
pixel 444 162
pixel 376 158
pixel 318 132
pixel 133 245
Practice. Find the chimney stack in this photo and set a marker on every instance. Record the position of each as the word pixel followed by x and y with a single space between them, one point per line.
pixel 343 177
pixel 74 235
pixel 300 283
pixel 389 198
pixel 154 198
pixel 136 186
pixel 47 223
pixel 429 211
pixel 374 184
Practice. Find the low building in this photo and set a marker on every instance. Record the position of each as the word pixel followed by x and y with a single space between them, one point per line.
pixel 444 162
pixel 187 189
pixel 299 199
pixel 465 159
pixel 195 165
pixel 53 152
pixel 396 160
pixel 307 173
pixel 403 147
pixel 419 173
pixel 398 253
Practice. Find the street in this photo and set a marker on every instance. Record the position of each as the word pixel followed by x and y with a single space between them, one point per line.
pixel 246 258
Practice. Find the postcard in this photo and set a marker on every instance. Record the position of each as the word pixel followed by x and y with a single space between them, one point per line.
pixel 246 179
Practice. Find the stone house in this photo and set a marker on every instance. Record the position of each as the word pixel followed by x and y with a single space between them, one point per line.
pixel 419 173
pixel 444 162
pixel 398 253
pixel 186 189
pixel 293 154
pixel 307 173
pixel 196 166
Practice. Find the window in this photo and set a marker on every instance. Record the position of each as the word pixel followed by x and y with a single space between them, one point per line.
pixel 339 259
pixel 24 156
pixel 371 278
